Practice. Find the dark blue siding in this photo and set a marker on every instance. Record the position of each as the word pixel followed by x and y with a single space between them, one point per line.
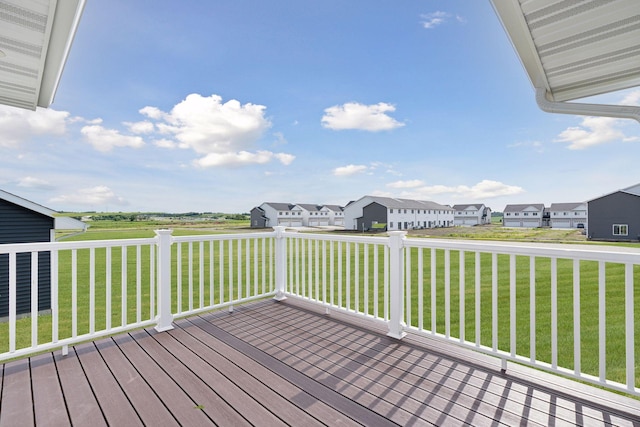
pixel 615 208
pixel 21 225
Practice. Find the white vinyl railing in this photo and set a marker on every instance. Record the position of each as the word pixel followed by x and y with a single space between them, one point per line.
pixel 562 308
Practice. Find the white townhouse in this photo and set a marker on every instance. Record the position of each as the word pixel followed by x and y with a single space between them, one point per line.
pixel 336 215
pixel 523 215
pixel 371 212
pixel 468 215
pixel 568 215
pixel 271 214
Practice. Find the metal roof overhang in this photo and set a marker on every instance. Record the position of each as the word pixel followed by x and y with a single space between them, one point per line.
pixel 35 38
pixel 574 49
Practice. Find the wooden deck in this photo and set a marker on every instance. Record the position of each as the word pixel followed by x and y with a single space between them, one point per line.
pixel 270 363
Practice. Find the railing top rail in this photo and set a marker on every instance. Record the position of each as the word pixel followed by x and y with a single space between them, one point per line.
pixel 338 237
pixel 209 237
pixel 548 250
pixel 83 244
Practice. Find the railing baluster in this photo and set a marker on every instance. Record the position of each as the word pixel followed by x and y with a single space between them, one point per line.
pixel 512 304
pixel 92 291
pixel 108 288
pixel 356 268
pixel 221 271
pixel 407 285
pixel 255 265
pixel 332 272
pixel 55 313
pixel 74 293
pixel 152 281
pixel 462 295
pixel 554 312
pixel 123 285
pixel 532 308
pixel 211 273
pixel 434 292
pixel 348 275
pixel 420 290
pixel 629 326
pixel 340 302
pixel 179 278
pixel 201 274
pixel 324 271
pixel 576 318
pixel 230 256
pixel 477 297
pixel 34 298
pixel 317 271
pixel 138 283
pixel 12 301
pixel 365 287
pixel 386 282
pixel 447 293
pixel 494 301
pixel 602 321
pixel 375 281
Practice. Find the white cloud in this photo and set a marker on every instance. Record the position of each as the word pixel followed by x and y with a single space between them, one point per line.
pixel 222 133
pixel 406 184
pixel 537 146
pixel 483 190
pixel 18 125
pixel 600 130
pixel 32 182
pixel 242 158
pixel 353 115
pixel 96 196
pixel 105 140
pixel 140 127
pixel 432 20
pixel 349 170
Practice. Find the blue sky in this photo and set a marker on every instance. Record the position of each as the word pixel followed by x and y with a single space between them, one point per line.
pixel 222 105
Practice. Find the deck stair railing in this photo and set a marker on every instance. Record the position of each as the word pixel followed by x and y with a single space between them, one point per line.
pixel 564 309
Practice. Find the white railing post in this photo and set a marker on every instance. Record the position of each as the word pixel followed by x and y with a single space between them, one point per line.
pixel 281 263
pixel 396 284
pixel 164 317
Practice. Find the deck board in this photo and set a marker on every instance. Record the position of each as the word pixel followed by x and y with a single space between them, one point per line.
pixel 273 364
pixel 48 401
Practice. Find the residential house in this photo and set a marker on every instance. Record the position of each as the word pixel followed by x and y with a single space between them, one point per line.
pixel 271 214
pixel 469 215
pixel 23 221
pixel 370 212
pixel 524 215
pixel 615 216
pixel 568 215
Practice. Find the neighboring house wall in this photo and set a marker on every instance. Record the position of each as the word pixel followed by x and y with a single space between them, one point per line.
pixel 373 213
pixel 568 215
pixel 615 216
pixel 258 218
pixel 402 214
pixel 21 225
pixel 470 215
pixel 526 216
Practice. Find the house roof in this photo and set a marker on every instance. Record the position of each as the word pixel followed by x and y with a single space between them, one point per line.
pixel 575 49
pixel 633 190
pixel 524 207
pixel 465 207
pixel 566 206
pixel 60 222
pixel 309 207
pixel 335 208
pixel 391 202
pixel 279 206
pixel 35 39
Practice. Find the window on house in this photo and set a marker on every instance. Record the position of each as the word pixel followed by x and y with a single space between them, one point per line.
pixel 564 213
pixel 391 225
pixel 508 213
pixel 535 214
pixel 620 230
pixel 405 211
pixel 526 214
pixel 390 210
pixel 517 213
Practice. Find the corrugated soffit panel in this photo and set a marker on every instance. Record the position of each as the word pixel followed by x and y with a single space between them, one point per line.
pixel 576 48
pixel 25 27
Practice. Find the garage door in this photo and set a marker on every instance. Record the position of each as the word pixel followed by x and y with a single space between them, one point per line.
pixel 560 224
pixel 530 224
pixel 512 223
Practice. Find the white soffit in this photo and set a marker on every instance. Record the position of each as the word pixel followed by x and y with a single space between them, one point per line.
pixel 35 38
pixel 575 48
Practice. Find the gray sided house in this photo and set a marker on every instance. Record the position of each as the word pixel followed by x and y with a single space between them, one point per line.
pixel 615 216
pixel 22 221
pixel 524 215
pixel 568 215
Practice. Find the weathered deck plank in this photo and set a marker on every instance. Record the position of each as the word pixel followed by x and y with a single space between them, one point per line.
pixel 278 364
